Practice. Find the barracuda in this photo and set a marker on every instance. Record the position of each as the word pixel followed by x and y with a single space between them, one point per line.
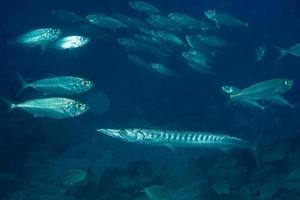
pixel 173 138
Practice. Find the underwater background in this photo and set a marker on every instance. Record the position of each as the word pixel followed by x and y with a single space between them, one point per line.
pixel 36 153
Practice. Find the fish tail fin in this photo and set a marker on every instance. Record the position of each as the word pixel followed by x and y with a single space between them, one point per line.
pixel 23 83
pixel 10 104
pixel 294 107
pixel 255 149
pixel 255 154
pixel 282 53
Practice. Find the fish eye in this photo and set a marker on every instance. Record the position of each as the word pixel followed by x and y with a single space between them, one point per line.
pixel 85 83
pixel 123 133
pixel 288 82
pixel 80 106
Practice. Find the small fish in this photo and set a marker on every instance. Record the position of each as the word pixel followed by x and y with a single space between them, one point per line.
pixel 211 40
pixel 105 22
pixel 293 50
pixel 163 23
pixel 189 22
pixel 134 23
pixel 143 7
pixel 264 90
pixel 260 53
pixel 194 42
pixel 162 69
pixel 173 138
pixel 67 16
pixel 169 38
pixel 61 85
pixel 138 61
pixel 230 90
pixel 37 37
pixel 54 108
pixel 198 61
pixel 154 41
pixel 136 46
pixel 223 18
pixel 70 42
pixel 277 100
pixel 74 176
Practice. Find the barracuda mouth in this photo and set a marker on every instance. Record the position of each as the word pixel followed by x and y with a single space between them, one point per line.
pixel 109 132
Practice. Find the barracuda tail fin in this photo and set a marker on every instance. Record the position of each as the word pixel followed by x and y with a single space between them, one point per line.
pixel 23 83
pixel 282 53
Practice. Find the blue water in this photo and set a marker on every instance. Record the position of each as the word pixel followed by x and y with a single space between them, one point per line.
pixel 36 151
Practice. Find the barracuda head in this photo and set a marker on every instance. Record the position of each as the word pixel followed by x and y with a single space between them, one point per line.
pixel 129 135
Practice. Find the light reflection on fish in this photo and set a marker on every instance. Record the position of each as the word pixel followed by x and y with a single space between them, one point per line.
pixel 38 37
pixel 70 42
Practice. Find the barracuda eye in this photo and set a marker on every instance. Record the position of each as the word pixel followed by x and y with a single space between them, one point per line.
pixel 123 133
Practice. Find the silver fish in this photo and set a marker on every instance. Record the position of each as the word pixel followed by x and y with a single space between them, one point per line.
pixel 70 42
pixel 67 16
pixel 61 85
pixel 162 69
pixel 38 37
pixel 259 53
pixel 209 40
pixel 223 18
pixel 196 44
pixel 136 46
pixel 230 90
pixel 130 21
pixel 169 38
pixel 189 22
pixel 105 22
pixel 293 50
pixel 138 61
pixel 264 90
pixel 55 108
pixel 155 41
pixel 163 23
pixel 143 7
pixel 198 61
pixel 260 103
pixel 173 138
